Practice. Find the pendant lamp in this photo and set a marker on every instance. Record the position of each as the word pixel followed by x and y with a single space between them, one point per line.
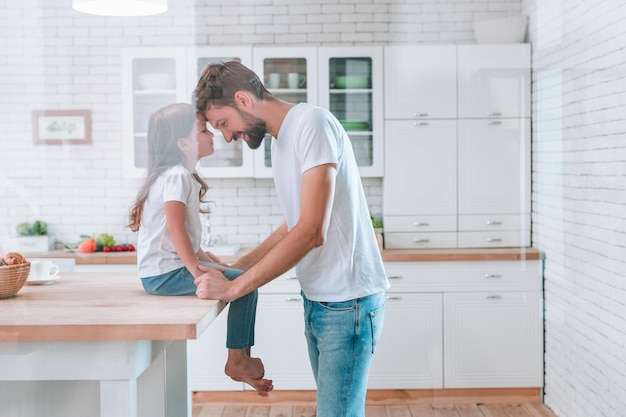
pixel 120 7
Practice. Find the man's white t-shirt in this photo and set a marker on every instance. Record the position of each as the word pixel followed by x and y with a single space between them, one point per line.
pixel 349 264
pixel 156 253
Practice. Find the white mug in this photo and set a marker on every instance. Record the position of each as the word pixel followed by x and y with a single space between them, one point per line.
pixel 295 80
pixel 43 270
pixel 273 80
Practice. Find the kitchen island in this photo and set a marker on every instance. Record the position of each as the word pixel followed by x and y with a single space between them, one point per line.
pixel 97 344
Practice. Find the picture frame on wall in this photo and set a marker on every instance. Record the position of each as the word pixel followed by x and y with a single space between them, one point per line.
pixel 56 127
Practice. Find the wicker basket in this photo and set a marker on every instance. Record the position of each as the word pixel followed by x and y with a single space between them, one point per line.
pixel 13 278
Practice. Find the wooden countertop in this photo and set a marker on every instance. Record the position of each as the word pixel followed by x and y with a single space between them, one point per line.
pixel 389 255
pixel 102 306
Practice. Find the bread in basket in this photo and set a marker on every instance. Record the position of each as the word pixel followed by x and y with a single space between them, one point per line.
pixel 14 270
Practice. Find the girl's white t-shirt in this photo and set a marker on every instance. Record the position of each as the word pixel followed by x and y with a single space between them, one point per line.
pixel 156 254
pixel 349 264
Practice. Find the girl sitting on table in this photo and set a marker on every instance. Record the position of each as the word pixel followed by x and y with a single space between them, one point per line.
pixel 166 214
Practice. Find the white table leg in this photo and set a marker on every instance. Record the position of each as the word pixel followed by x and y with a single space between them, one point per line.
pixel 118 398
pixel 177 393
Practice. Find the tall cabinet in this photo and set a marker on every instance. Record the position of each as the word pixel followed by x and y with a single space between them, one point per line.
pixel 457 146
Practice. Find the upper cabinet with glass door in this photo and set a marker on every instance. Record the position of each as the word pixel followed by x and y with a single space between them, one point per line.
pixel 151 79
pixel 351 87
pixel 234 159
pixel 289 74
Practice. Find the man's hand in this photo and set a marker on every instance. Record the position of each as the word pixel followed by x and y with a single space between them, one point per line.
pixel 212 285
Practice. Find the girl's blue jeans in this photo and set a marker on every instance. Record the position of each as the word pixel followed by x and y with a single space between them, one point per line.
pixel 342 338
pixel 242 311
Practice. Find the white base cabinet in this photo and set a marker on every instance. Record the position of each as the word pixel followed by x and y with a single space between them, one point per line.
pixel 463 324
pixel 409 354
pixel 457 324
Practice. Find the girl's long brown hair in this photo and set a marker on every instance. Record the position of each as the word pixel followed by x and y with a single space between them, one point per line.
pixel 165 127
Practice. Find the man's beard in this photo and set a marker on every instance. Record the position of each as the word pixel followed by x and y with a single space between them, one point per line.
pixel 255 130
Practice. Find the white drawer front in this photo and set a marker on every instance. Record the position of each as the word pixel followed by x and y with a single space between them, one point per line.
pixel 420 240
pixel 481 222
pixel 522 275
pixel 420 223
pixel 284 284
pixel 494 239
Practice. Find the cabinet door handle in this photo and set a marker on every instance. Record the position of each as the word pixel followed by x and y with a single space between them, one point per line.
pixel 421 240
pixel 420 224
pixel 494 123
pixel 494 239
pixel 291 299
pixel 493 276
pixel 393 298
pixel 420 114
pixel 394 277
pixel 291 277
pixel 493 113
pixel 493 297
pixel 420 124
pixel 493 223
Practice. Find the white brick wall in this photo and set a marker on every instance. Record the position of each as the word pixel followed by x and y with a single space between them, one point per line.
pixel 54 58
pixel 579 195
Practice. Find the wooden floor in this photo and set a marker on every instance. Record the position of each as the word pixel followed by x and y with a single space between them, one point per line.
pixel 388 404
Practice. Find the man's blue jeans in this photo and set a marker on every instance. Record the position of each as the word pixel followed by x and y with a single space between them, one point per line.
pixel 342 338
pixel 242 311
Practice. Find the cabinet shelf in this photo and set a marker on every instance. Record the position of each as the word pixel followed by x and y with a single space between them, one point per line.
pixel 153 92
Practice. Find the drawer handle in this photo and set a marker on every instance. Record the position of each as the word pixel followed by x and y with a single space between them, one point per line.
pixel 493 276
pixel 493 297
pixel 394 277
pixel 493 113
pixel 421 224
pixel 421 240
pixel 420 124
pixel 494 239
pixel 291 299
pixel 494 123
pixel 393 298
pixel 493 223
pixel 292 277
pixel 420 114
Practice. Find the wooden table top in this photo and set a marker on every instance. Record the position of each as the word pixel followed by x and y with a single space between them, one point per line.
pixel 102 306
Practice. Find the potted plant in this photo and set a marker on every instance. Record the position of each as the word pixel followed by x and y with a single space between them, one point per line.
pixel 31 237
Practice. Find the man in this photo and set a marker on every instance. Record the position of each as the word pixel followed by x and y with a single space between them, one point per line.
pixel 327 231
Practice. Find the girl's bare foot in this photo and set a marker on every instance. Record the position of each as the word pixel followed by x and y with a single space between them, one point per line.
pixel 248 370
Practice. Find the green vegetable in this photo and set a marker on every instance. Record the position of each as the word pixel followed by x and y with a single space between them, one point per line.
pixel 103 239
pixel 375 223
pixel 39 228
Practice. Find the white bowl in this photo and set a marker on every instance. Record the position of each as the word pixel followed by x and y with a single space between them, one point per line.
pixel 506 30
pixel 156 81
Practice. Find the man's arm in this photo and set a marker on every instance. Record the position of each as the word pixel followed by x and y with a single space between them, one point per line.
pixel 318 187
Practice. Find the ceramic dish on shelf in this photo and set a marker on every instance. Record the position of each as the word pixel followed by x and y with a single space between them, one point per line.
pixel 156 81
pixel 45 281
pixel 355 124
pixel 351 81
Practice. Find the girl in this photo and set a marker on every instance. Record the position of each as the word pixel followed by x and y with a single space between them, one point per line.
pixel 166 214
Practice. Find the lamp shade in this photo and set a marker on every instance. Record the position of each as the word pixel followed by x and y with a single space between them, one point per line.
pixel 120 7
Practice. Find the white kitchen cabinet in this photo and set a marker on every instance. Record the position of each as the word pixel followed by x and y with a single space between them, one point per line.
pixel 419 186
pixel 420 82
pixel 490 319
pixel 473 169
pixel 409 353
pixel 155 77
pixel 275 66
pixel 493 339
pixel 494 81
pixel 151 79
pixel 494 182
pixel 351 87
